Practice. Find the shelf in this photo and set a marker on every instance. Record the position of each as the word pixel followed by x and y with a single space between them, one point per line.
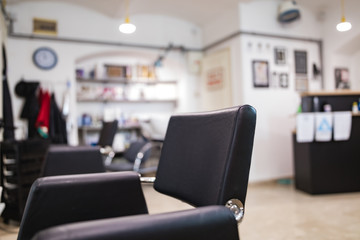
pixel 98 128
pixel 126 101
pixel 85 131
pixel 331 93
pixel 125 81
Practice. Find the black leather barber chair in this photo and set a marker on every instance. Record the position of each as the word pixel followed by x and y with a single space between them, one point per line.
pixel 64 160
pixel 107 133
pixel 106 139
pixel 142 157
pixel 205 162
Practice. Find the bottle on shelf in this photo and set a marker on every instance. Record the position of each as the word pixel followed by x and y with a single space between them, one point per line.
pixel 355 108
pixel 316 104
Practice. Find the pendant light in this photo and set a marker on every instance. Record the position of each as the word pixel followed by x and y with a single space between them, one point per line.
pixel 127 27
pixel 343 26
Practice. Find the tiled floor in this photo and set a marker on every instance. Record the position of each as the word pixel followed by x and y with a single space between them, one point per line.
pixel 276 211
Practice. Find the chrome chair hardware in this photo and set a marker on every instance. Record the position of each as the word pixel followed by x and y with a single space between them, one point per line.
pixel 237 208
pixel 147 179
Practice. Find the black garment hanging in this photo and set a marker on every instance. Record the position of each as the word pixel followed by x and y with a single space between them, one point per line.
pixel 7 105
pixel 57 126
pixel 31 106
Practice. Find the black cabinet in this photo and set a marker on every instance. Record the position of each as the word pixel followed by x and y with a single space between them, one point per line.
pixel 334 166
pixel 21 163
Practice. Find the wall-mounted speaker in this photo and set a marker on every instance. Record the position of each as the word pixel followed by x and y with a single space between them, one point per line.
pixel 288 11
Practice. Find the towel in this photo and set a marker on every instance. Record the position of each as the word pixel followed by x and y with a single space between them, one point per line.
pixel 305 127
pixel 342 126
pixel 324 125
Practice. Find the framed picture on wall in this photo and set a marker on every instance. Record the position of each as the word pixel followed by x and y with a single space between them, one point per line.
pixel 260 73
pixel 284 80
pixel 280 55
pixel 342 78
pixel 274 82
pixel 300 62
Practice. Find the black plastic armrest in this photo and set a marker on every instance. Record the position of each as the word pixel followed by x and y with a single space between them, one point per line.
pixel 141 154
pixel 210 223
pixel 72 198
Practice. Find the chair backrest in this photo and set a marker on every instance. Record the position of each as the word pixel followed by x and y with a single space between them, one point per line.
pixel 63 160
pixel 205 159
pixel 134 148
pixel 107 133
pixel 65 199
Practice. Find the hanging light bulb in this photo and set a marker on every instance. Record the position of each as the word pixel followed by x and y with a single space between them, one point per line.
pixel 343 26
pixel 127 27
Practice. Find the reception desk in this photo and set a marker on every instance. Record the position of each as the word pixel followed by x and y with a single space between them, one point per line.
pixel 334 166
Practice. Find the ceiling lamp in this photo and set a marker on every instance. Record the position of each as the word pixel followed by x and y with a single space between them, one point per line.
pixel 127 27
pixel 343 26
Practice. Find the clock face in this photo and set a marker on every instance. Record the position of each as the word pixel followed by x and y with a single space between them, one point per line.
pixel 45 58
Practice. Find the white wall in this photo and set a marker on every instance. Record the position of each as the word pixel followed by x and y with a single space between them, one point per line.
pixel 342 48
pixel 221 26
pixel 261 16
pixel 77 22
pixel 272 155
pixel 355 71
pixel 276 106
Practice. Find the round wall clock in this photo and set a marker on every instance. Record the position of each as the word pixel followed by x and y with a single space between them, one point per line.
pixel 45 58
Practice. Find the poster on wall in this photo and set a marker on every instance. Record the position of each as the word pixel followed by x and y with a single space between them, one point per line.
pixel 280 56
pixel 260 73
pixel 215 78
pixel 300 62
pixel 342 78
pixel 216 84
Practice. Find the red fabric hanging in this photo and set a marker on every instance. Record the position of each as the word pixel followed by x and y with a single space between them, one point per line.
pixel 41 96
pixel 43 119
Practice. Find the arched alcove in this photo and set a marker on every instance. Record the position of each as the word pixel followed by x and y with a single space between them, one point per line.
pixel 133 92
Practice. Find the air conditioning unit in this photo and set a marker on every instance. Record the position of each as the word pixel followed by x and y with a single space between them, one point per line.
pixel 288 11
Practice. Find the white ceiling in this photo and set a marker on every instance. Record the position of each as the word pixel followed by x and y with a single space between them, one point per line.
pixel 199 12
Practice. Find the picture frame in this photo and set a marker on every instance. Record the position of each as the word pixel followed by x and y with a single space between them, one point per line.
pixel 274 82
pixel 260 73
pixel 342 78
pixel 283 80
pixel 115 71
pixel 280 55
pixel 300 62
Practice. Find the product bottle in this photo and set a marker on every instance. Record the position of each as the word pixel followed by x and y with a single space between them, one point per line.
pixel 316 104
pixel 66 100
pixel 355 108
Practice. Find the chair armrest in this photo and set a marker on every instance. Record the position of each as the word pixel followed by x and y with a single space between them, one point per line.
pixel 210 223
pixel 72 198
pixel 141 154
